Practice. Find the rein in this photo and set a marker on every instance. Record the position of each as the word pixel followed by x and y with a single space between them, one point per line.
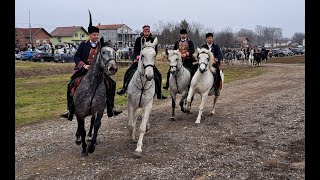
pixel 176 76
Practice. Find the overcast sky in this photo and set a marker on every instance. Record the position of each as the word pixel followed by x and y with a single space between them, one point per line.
pixel 217 15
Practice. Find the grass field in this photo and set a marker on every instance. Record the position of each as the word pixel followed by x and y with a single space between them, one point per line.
pixel 40 88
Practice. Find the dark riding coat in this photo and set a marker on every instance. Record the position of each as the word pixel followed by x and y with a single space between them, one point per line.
pixel 215 49
pixel 137 45
pixel 82 54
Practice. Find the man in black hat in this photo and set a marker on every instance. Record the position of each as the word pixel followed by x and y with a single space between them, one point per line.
pixel 215 49
pixel 186 48
pixel 83 59
pixel 136 56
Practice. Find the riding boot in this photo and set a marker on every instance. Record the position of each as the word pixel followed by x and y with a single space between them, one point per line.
pixel 157 80
pixel 125 78
pixel 110 93
pixel 69 114
pixel 166 86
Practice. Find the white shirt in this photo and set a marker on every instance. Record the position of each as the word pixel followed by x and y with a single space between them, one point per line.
pixel 93 44
pixel 209 45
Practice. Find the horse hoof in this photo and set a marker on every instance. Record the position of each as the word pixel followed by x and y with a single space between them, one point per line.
pixel 78 141
pixel 172 118
pixel 84 154
pixel 91 148
pixel 133 141
pixel 137 154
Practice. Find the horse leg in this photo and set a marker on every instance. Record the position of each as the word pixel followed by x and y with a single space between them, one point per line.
pixel 190 95
pixel 132 123
pixel 173 106
pixel 82 133
pixel 89 136
pixel 204 98
pixel 97 124
pixel 214 105
pixel 183 99
pixel 142 129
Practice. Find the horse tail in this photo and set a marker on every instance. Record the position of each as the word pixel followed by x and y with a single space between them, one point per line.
pixel 211 57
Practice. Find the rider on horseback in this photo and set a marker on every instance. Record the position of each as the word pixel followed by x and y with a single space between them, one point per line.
pixel 136 55
pixel 215 49
pixel 83 59
pixel 186 48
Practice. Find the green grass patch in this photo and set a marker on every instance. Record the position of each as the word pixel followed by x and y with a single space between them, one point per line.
pixel 40 98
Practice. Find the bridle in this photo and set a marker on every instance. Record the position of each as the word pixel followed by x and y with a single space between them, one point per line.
pixel 206 64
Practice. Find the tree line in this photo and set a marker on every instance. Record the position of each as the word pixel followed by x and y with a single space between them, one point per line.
pixel 168 33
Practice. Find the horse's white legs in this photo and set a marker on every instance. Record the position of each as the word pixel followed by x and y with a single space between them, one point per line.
pixel 173 105
pixel 190 95
pixel 143 125
pixel 204 98
pixel 214 104
pixel 132 122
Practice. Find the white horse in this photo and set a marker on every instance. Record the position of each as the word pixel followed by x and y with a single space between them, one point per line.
pixel 118 54
pixel 202 81
pixel 251 58
pixel 141 91
pixel 179 80
pixel 242 57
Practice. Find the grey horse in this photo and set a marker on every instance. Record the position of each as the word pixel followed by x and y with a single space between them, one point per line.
pixel 179 80
pixel 141 91
pixel 90 96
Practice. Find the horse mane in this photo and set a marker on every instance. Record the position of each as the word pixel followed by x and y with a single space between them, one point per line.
pixel 211 57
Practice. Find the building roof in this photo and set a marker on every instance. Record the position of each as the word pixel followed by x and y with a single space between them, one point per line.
pixel 109 26
pixel 241 39
pixel 26 31
pixel 66 31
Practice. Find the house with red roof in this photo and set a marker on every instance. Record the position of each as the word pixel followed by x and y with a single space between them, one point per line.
pixel 71 34
pixel 35 36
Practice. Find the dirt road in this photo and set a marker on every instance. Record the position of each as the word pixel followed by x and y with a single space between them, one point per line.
pixel 256 133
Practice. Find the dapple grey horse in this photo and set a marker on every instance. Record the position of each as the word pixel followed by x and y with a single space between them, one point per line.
pixel 90 97
pixel 202 81
pixel 141 91
pixel 179 80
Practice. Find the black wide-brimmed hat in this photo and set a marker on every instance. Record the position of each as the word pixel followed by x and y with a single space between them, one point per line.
pixel 209 34
pixel 183 31
pixel 92 29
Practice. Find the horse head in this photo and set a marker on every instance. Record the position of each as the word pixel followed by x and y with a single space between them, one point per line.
pixel 174 57
pixel 205 59
pixel 107 59
pixel 148 57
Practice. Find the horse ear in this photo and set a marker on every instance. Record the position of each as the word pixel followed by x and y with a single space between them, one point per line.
pixel 155 42
pixel 102 42
pixel 210 50
pixel 199 50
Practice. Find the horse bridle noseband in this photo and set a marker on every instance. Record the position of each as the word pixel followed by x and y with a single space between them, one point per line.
pixel 206 64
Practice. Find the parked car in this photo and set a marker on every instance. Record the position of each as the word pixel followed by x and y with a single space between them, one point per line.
pixel 126 54
pixel 26 55
pixel 277 53
pixel 63 58
pixel 18 56
pixel 43 56
pixel 287 52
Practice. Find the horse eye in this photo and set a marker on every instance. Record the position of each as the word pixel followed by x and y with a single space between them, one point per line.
pixel 177 59
pixel 103 52
pixel 142 55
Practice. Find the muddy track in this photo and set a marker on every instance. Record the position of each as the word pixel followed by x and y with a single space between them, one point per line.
pixel 256 133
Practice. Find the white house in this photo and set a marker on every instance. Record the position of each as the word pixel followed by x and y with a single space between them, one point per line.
pixel 119 34
pixel 278 43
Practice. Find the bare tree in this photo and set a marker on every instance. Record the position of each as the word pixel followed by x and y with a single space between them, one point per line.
pixel 248 34
pixel 225 38
pixel 298 38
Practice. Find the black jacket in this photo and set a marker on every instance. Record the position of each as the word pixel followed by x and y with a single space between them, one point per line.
pixel 83 52
pixel 137 46
pixel 215 49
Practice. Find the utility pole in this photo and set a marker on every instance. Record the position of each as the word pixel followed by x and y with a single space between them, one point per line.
pixel 30 29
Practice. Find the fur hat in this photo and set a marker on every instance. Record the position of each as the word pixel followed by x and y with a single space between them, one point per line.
pixel 92 29
pixel 183 31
